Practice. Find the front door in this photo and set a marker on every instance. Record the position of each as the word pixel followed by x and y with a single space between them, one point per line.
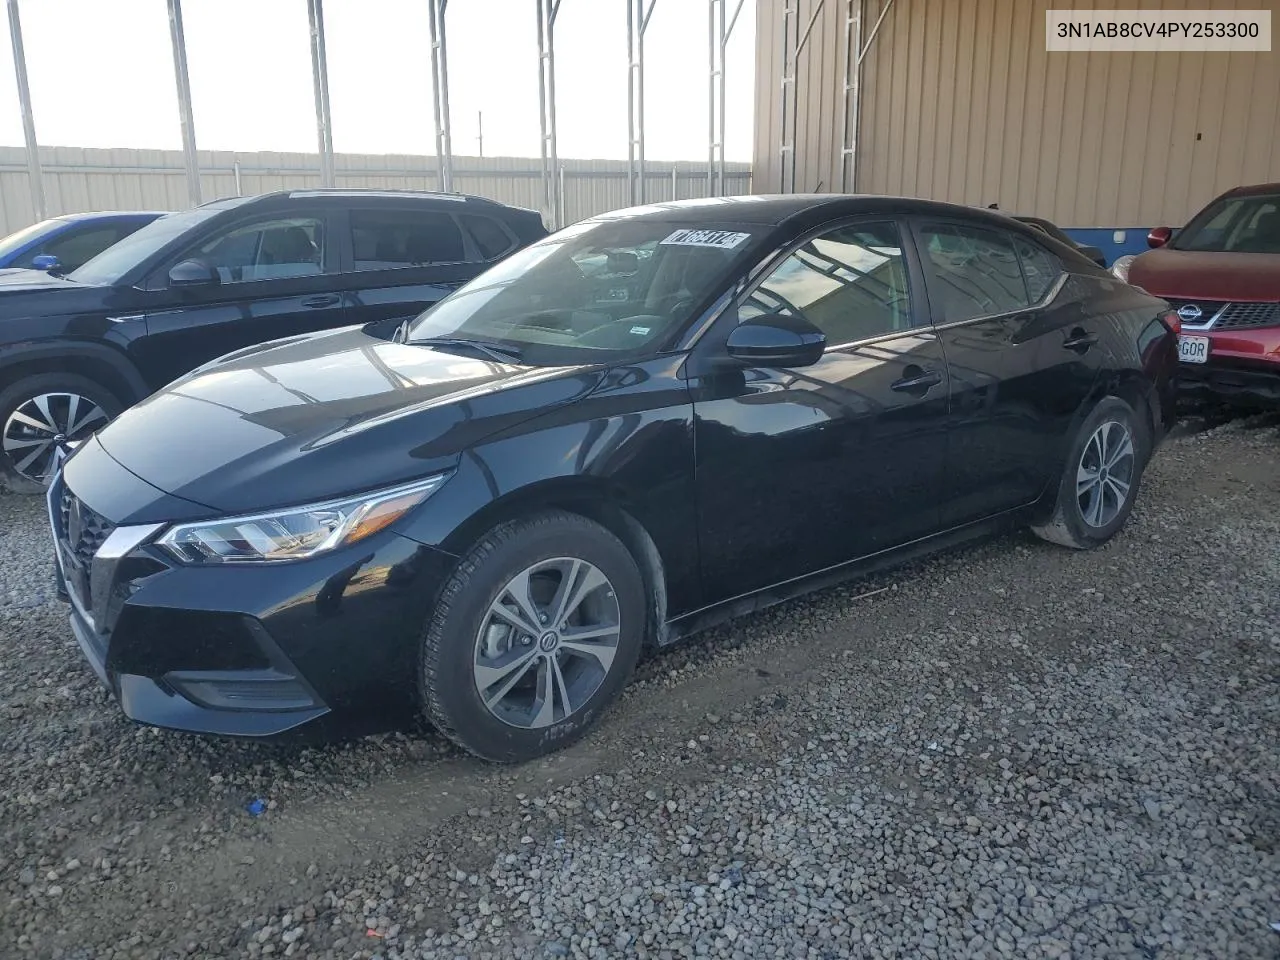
pixel 276 276
pixel 803 469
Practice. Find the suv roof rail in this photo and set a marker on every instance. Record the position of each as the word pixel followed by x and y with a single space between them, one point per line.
pixel 375 192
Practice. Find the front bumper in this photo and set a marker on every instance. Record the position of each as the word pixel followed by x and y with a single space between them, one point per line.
pixel 1231 380
pixel 242 650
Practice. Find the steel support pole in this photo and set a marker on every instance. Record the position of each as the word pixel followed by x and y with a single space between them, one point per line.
pixel 637 24
pixel 320 83
pixel 547 11
pixel 785 146
pixel 852 88
pixel 185 117
pixel 719 31
pixel 440 92
pixel 852 114
pixel 34 174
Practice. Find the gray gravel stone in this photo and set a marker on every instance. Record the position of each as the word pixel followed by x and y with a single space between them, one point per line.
pixel 1010 750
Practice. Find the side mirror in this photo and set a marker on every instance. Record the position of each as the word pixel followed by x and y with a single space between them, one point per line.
pixel 46 261
pixel 776 340
pixel 192 273
pixel 1159 237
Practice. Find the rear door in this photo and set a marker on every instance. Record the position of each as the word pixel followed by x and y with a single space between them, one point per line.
pixel 1022 355
pixel 276 275
pixel 400 259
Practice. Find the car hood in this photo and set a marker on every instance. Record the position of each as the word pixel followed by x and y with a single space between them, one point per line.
pixel 326 415
pixel 1197 275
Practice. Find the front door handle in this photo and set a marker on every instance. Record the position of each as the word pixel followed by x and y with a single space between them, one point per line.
pixel 916 380
pixel 323 300
pixel 1080 340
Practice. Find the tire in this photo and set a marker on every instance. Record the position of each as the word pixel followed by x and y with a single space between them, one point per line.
pixel 70 401
pixel 1080 519
pixel 467 644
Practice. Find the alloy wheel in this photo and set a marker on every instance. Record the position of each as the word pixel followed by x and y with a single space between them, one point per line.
pixel 1104 476
pixel 546 643
pixel 37 432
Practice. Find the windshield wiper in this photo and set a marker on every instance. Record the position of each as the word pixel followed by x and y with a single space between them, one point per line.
pixel 501 352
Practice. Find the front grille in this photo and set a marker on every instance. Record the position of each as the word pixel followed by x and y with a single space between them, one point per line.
pixel 1239 315
pixel 83 530
pixel 1228 315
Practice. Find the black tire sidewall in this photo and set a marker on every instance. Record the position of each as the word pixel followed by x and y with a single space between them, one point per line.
pixel 20 391
pixel 1109 408
pixel 451 633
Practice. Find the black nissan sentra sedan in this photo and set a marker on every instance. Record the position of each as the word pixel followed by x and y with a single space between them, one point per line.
pixel 642 425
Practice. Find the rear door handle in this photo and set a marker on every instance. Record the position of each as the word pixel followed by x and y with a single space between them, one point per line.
pixel 323 300
pixel 917 380
pixel 1080 340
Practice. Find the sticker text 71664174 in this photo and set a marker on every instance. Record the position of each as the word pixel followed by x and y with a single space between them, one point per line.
pixel 724 239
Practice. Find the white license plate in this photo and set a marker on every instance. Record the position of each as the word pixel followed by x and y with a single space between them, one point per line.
pixel 1193 349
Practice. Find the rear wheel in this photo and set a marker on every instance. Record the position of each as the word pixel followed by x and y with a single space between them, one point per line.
pixel 1101 479
pixel 536 633
pixel 39 415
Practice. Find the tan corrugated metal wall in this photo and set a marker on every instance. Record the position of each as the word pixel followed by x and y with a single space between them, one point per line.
pixel 961 102
pixel 77 180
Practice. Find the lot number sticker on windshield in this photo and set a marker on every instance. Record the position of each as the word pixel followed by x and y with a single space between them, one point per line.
pixel 722 239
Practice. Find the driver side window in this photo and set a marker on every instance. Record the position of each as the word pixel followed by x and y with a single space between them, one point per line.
pixel 266 250
pixel 851 283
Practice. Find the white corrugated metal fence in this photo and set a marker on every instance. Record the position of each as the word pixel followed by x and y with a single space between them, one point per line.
pixel 77 179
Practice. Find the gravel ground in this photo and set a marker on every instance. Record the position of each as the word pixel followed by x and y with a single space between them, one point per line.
pixel 1011 750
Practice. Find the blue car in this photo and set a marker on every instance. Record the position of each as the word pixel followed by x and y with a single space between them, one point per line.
pixel 62 244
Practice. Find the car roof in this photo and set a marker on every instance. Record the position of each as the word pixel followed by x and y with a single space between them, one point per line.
pixel 1257 189
pixel 777 209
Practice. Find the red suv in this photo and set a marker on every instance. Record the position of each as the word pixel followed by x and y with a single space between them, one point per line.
pixel 1221 273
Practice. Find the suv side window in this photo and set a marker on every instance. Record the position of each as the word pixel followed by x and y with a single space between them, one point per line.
pixel 1040 268
pixel 266 250
pixel 388 239
pixel 74 248
pixel 851 283
pixel 492 239
pixel 977 270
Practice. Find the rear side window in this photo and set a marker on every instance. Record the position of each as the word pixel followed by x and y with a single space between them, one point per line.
pixel 389 239
pixel 977 270
pixel 1040 268
pixel 492 239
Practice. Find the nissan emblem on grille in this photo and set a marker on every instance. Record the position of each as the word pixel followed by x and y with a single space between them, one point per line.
pixel 1189 313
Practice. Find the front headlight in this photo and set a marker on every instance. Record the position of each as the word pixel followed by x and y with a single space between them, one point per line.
pixel 1120 269
pixel 295 533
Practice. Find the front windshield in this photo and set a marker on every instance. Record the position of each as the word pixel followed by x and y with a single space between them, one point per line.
pixel 1237 225
pixel 594 291
pixel 16 241
pixel 119 258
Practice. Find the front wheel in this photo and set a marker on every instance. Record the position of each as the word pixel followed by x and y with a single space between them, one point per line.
pixel 535 635
pixel 1100 480
pixel 39 416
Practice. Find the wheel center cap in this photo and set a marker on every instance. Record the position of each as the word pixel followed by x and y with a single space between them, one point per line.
pixel 549 641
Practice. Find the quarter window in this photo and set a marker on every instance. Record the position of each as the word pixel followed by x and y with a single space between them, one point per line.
pixel 389 239
pixel 491 239
pixel 267 250
pixel 1040 268
pixel 977 271
pixel 851 283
